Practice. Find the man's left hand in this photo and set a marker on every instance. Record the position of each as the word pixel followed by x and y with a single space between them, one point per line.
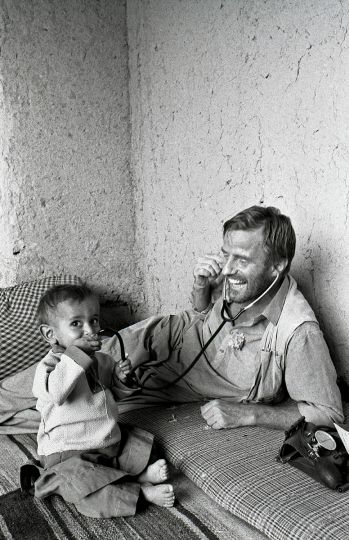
pixel 221 414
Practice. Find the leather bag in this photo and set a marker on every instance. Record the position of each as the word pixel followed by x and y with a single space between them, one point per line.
pixel 317 451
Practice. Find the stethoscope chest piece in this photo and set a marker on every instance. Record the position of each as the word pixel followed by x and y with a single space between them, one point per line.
pixel 324 440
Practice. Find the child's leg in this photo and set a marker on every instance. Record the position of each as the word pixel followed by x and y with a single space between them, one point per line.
pixel 116 500
pixel 156 473
pixel 88 488
pixel 113 500
pixel 95 491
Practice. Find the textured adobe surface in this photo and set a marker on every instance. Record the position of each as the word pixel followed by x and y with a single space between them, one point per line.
pixel 66 192
pixel 237 103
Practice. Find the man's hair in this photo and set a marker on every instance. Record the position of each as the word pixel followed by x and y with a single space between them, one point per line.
pixel 60 293
pixel 279 235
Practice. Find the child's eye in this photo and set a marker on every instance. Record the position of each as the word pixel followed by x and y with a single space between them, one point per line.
pixel 95 320
pixel 75 323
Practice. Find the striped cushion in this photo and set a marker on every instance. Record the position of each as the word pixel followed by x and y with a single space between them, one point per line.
pixel 21 344
pixel 238 469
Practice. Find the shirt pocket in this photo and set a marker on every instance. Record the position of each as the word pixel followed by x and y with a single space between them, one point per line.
pixel 269 377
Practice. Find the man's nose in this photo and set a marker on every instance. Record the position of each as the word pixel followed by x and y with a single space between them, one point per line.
pixel 229 267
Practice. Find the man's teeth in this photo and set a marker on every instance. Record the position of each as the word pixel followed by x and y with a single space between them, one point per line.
pixel 236 281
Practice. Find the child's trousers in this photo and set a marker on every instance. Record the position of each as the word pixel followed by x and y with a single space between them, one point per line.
pixel 100 483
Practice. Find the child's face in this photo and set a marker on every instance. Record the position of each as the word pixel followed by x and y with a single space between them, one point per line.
pixel 73 320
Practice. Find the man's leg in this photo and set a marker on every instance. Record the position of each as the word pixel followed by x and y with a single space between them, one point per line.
pixel 154 347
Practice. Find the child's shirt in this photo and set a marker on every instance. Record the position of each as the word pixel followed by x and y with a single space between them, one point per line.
pixel 77 406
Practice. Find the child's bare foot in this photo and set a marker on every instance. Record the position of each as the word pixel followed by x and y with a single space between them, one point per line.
pixel 156 473
pixel 162 495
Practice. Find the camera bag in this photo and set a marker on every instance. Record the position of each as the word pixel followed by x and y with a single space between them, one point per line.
pixel 301 449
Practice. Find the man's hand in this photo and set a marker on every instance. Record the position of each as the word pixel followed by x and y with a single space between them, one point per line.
pixel 221 414
pixel 88 343
pixel 207 278
pixel 208 271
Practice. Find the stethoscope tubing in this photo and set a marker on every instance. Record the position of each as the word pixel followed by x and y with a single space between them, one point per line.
pixel 226 317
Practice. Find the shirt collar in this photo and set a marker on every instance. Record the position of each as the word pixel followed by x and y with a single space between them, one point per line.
pixel 273 310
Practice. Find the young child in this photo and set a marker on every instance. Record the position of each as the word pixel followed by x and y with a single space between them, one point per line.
pixel 86 457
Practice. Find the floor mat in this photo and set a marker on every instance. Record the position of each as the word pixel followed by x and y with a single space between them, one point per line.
pixel 194 516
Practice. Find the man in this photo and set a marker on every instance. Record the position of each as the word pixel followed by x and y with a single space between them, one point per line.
pixel 268 367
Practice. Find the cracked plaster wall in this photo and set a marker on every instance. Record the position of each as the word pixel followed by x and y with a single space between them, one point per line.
pixel 235 103
pixel 65 190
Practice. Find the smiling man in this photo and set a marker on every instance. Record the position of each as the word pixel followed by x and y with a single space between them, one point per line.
pixel 268 365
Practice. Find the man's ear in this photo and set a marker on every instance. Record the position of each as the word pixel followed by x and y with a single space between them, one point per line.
pixel 48 334
pixel 280 266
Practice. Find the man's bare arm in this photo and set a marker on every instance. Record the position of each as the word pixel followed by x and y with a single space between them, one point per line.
pixel 200 296
pixel 207 276
pixel 220 414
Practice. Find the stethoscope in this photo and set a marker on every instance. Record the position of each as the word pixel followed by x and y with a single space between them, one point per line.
pixel 226 317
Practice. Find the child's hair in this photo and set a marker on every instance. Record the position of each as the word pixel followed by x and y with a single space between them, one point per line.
pixel 60 293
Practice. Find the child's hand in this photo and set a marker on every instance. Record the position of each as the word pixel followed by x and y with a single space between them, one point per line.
pixel 123 368
pixel 88 343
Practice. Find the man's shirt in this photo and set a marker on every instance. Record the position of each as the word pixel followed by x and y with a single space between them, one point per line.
pixel 164 347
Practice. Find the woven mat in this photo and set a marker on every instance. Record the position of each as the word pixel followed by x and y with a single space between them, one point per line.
pixel 22 517
pixel 235 468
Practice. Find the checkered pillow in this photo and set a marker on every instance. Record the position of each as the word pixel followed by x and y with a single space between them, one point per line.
pixel 21 344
